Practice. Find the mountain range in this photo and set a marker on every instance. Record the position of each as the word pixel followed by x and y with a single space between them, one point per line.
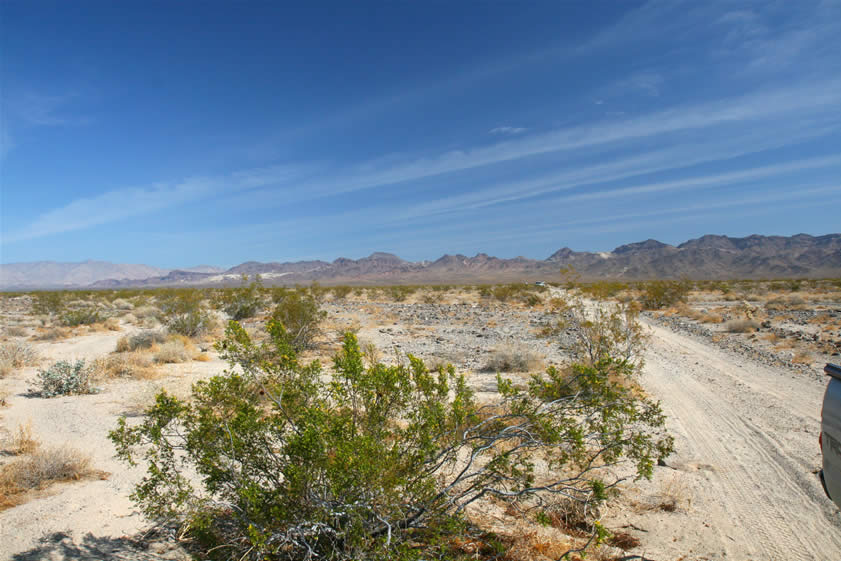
pixel 707 257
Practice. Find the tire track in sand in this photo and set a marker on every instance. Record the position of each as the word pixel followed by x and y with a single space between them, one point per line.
pixel 742 430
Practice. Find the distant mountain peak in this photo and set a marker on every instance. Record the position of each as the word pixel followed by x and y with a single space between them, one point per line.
pixel 383 256
pixel 647 245
pixel 563 254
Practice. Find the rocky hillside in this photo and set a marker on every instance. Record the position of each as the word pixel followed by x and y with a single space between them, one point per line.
pixel 707 257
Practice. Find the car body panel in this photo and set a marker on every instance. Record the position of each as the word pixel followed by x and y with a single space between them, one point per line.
pixel 831 434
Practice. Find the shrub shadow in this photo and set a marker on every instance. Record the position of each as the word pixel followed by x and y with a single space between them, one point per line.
pixel 61 546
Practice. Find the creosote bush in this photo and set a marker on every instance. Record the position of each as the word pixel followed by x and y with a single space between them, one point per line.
pixel 381 461
pixel 664 293
pixel 65 378
pixel 184 313
pixel 300 313
pixel 244 302
pixel 341 292
pixel 48 303
pixel 605 331
pixel 82 316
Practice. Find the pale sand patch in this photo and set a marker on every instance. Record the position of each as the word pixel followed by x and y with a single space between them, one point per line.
pixel 100 507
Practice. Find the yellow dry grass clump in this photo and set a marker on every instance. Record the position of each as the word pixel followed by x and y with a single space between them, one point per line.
pixel 134 364
pixel 38 468
pixel 22 441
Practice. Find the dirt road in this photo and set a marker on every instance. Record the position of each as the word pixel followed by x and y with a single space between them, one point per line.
pixel 745 461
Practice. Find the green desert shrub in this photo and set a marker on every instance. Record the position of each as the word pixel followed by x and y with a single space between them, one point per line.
pixel 400 293
pixel 341 292
pixel 607 330
pixel 243 302
pixel 532 300
pixel 664 293
pixel 603 290
pixel 65 378
pixel 381 461
pixel 48 302
pixel 81 316
pixel 301 314
pixel 504 292
pixel 147 312
pixel 184 313
pixel 122 304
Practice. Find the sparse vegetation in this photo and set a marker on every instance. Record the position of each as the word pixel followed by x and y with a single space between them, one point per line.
pixel 82 316
pixel 48 302
pixel 23 441
pixel 16 354
pixel 741 326
pixel 184 313
pixel 514 291
pixel 341 292
pixel 65 378
pixel 124 365
pixel 140 340
pixel 364 467
pixel 15 331
pixel 173 351
pixel 802 357
pixel 603 290
pixel 300 314
pixel 51 334
pixel 512 359
pixel 400 293
pixel 664 293
pixel 39 470
pixel 244 302
pixel 607 331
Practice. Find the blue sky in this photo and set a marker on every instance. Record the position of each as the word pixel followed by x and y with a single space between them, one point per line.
pixel 178 133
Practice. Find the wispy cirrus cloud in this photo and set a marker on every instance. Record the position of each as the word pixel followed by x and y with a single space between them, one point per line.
pixel 764 107
pixel 620 168
pixel 119 204
pixel 647 82
pixel 731 178
pixel 759 113
pixel 6 140
pixel 544 223
pixel 27 109
pixel 46 110
pixel 507 130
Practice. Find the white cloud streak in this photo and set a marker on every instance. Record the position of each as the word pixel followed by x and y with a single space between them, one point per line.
pixel 120 204
pixel 803 100
pixel 732 178
pixel 508 130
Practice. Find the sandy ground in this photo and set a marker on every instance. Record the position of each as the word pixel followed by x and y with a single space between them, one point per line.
pixel 88 519
pixel 744 471
pixel 742 479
